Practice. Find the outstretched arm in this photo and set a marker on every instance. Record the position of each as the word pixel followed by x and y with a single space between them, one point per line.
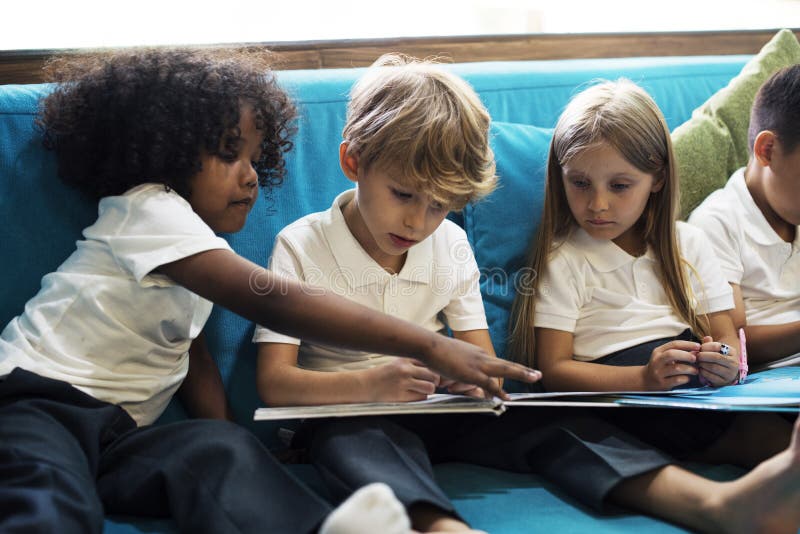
pixel 482 339
pixel 310 313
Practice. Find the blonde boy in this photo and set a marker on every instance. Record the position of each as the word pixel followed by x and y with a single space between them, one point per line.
pixel 416 146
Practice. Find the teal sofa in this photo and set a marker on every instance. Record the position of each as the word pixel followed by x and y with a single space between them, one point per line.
pixel 42 219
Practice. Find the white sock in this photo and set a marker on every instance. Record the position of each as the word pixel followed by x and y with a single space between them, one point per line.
pixel 371 509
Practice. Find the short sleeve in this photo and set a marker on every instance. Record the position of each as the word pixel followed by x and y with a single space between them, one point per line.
pixel 711 289
pixel 723 235
pixel 149 227
pixel 283 262
pixel 465 310
pixel 559 297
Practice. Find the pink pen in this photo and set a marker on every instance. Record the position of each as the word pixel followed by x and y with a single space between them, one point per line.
pixel 742 357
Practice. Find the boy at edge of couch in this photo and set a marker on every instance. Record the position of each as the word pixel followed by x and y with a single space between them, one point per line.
pixel 753 223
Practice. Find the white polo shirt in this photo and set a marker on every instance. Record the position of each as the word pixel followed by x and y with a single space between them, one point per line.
pixel 104 322
pixel 611 300
pixel 752 254
pixel 437 286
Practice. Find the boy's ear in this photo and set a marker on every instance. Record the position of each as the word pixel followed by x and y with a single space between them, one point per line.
pixel 348 162
pixel 763 147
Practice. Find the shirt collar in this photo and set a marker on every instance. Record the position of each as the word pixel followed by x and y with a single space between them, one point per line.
pixel 359 268
pixel 757 227
pixel 604 255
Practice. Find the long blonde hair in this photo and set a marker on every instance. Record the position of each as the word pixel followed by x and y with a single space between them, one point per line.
pixel 622 115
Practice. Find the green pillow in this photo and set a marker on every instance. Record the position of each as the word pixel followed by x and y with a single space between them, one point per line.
pixel 713 143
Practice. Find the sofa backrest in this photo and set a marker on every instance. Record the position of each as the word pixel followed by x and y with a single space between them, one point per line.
pixel 42 219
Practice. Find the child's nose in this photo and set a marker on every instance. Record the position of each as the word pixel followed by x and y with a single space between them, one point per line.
pixel 415 216
pixel 598 201
pixel 249 176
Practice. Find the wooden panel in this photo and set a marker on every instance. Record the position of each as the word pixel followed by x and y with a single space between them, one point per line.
pixel 22 67
pixel 497 48
pixel 25 66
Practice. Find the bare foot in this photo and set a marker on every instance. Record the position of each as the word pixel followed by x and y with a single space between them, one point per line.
pixel 767 499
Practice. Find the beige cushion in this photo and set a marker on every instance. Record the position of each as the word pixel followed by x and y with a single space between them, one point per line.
pixel 713 143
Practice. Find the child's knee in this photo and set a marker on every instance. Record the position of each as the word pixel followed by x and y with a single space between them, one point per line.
pixel 41 496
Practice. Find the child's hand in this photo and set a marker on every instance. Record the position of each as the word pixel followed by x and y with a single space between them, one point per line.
pixel 460 388
pixel 717 368
pixel 468 363
pixel 670 365
pixel 403 380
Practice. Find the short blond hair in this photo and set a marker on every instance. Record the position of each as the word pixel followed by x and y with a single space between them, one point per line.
pixel 424 123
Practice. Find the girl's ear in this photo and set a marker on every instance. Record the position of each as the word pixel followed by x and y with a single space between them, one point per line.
pixel 763 145
pixel 658 182
pixel 348 162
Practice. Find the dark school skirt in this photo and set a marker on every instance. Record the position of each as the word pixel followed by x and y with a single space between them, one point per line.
pixel 681 433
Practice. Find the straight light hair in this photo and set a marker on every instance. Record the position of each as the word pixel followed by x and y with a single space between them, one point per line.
pixel 619 114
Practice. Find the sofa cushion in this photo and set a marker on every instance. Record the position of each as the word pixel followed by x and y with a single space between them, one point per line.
pixel 713 143
pixel 501 226
pixel 535 92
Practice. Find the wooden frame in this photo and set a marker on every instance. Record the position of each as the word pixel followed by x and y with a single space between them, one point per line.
pixel 25 66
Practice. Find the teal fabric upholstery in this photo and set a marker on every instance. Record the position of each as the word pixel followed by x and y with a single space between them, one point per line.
pixel 501 226
pixel 42 219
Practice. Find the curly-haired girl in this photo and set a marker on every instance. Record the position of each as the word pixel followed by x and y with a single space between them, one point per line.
pixel 173 143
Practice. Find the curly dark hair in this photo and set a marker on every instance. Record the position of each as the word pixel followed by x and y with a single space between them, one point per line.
pixel 118 119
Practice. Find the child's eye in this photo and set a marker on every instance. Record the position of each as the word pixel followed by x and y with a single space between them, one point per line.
pixel 437 206
pixel 228 155
pixel 580 184
pixel 620 187
pixel 401 194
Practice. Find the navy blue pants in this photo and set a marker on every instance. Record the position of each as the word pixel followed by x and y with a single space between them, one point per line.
pixel 582 454
pixel 67 459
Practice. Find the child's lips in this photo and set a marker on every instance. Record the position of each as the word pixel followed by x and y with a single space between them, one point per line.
pixel 402 241
pixel 246 201
pixel 599 222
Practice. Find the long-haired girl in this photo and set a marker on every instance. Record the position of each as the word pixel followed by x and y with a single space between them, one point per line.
pixel 628 299
pixel 619 281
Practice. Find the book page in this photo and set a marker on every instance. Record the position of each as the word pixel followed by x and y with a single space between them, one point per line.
pixel 436 403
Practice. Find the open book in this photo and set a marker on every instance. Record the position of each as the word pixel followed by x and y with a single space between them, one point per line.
pixel 436 403
pixel 776 390
pixel 771 390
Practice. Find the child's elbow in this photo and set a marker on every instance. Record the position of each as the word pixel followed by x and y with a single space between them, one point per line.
pixel 269 390
pixel 551 375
